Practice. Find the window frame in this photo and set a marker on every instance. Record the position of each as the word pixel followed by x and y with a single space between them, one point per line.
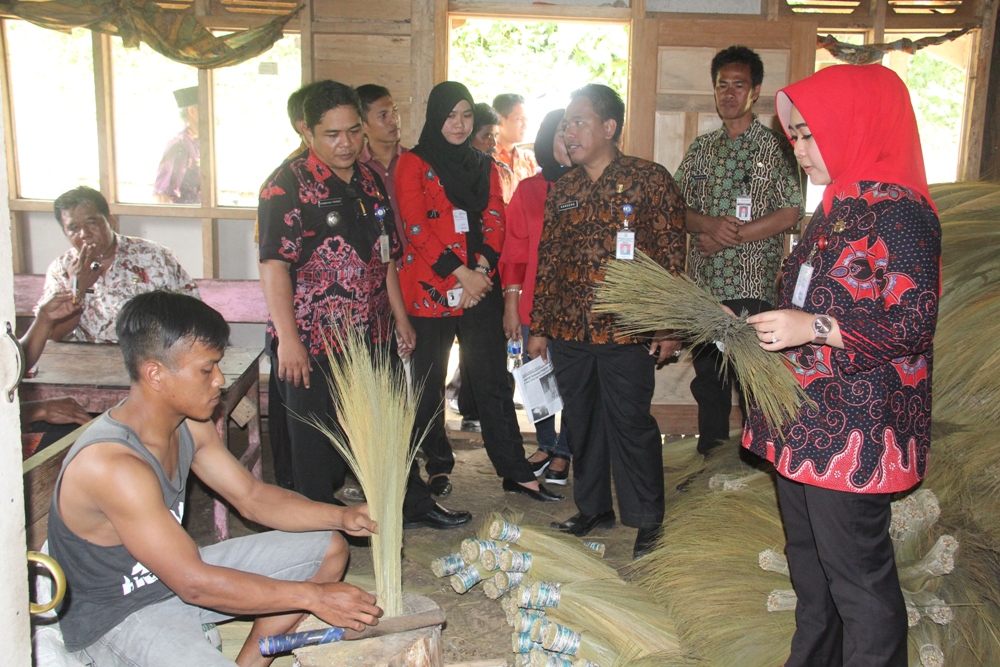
pixel 208 212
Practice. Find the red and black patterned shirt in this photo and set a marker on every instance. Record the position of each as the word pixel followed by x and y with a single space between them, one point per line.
pixel 328 231
pixel 879 277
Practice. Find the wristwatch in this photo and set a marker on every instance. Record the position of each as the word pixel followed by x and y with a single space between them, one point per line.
pixel 822 326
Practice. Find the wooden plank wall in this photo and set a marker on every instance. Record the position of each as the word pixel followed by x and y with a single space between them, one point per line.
pixel 387 42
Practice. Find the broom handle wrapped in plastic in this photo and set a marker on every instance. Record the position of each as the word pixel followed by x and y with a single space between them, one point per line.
pixel 289 642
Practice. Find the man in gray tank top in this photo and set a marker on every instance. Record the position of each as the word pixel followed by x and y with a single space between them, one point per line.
pixel 139 587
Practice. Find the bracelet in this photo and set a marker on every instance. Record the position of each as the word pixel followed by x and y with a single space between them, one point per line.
pixel 484 269
pixel 512 290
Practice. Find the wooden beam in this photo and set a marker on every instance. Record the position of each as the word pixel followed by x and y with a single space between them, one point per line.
pixel 971 154
pixel 104 90
pixel 803 60
pixel 19 260
pixel 640 121
pixel 210 248
pixel 422 51
pixel 306 43
pixel 151 210
pixel 638 9
pixel 369 26
pixel 442 40
pixel 561 12
pixel 879 10
pixel 989 164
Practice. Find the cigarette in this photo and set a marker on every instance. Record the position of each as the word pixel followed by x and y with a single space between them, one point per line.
pixel 75 286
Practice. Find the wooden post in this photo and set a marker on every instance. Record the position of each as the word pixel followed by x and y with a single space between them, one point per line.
pixel 640 119
pixel 442 40
pixel 423 50
pixel 981 122
pixel 306 43
pixel 104 89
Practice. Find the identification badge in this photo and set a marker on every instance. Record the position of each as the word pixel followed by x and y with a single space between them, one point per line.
pixel 454 296
pixel 383 242
pixel 568 206
pixel 744 204
pixel 327 203
pixel 625 248
pixel 802 285
pixel 461 220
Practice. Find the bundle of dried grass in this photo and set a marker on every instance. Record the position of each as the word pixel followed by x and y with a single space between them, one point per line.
pixel 939 561
pixel 911 517
pixel 618 615
pixel 645 297
pixel 555 556
pixel 376 413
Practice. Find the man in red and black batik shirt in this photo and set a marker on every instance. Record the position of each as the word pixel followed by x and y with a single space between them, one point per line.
pixel 328 251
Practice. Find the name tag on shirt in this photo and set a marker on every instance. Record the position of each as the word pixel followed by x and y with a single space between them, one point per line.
pixel 743 207
pixel 383 242
pixel 568 206
pixel 625 247
pixel 461 220
pixel 327 203
pixel 802 285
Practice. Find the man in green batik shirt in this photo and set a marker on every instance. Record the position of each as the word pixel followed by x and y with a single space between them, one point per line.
pixel 742 189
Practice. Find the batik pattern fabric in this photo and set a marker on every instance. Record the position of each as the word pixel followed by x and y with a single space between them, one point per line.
pixel 579 236
pixel 434 249
pixel 714 172
pixel 520 160
pixel 138 266
pixel 329 231
pixel 879 277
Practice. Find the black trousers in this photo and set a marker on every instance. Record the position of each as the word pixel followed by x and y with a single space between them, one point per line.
pixel 317 469
pixel 483 355
pixel 850 609
pixel 277 433
pixel 607 391
pixel 712 391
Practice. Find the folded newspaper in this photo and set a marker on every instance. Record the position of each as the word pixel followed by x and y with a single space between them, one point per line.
pixel 536 382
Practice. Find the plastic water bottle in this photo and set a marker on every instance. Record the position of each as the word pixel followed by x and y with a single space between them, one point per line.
pixel 513 354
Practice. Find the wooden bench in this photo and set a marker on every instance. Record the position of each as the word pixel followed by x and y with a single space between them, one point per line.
pixel 40 472
pixel 239 301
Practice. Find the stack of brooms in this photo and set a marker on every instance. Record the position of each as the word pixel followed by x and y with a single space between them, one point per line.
pixel 566 607
pixel 720 569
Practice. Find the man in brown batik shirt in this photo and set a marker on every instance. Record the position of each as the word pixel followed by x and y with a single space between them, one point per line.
pixel 606 380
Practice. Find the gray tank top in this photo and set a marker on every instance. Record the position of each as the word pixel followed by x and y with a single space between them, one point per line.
pixel 106 584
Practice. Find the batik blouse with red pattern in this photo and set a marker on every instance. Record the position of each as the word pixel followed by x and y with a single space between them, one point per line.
pixel 434 249
pixel 879 277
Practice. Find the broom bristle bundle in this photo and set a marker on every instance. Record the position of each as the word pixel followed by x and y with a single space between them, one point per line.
pixel 376 413
pixel 645 297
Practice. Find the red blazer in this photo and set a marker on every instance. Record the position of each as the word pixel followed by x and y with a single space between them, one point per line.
pixel 432 242
pixel 519 259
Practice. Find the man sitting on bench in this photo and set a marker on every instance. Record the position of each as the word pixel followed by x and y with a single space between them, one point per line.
pixel 139 589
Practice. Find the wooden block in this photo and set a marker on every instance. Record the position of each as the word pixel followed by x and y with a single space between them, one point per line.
pixel 417 648
pixel 243 412
pixel 387 49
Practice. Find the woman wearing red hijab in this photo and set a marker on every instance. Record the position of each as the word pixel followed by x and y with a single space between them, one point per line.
pixel 856 318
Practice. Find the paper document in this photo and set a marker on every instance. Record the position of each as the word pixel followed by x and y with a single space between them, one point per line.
pixel 536 382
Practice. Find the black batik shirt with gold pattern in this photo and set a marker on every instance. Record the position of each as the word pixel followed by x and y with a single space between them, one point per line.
pixel 714 172
pixel 582 221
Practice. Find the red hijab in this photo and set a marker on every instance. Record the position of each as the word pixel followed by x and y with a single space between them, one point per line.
pixel 862 121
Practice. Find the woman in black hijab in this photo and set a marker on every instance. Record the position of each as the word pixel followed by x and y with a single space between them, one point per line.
pixel 450 201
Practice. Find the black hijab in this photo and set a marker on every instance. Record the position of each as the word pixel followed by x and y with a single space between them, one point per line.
pixel 464 171
pixel 544 151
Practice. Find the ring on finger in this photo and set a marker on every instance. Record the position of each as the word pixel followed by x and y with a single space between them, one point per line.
pixel 774 337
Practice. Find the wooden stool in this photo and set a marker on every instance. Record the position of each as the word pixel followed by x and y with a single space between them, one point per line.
pixel 417 648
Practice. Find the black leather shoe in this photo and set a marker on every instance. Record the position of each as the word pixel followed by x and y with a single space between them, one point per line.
pixel 542 495
pixel 538 467
pixel 559 477
pixel 645 541
pixel 440 485
pixel 581 524
pixel 440 518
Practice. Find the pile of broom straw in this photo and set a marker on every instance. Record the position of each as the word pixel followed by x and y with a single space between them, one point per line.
pixel 720 568
pixel 566 606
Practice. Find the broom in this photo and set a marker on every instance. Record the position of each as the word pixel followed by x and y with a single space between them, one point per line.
pixel 376 414
pixel 645 297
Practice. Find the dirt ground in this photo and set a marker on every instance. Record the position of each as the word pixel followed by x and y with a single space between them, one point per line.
pixel 476 629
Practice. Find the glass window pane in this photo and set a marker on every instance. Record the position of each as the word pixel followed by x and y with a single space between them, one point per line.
pixel 147 122
pixel 252 132
pixel 55 113
pixel 937 77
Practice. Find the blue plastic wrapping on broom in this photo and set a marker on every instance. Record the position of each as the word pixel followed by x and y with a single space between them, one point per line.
pixel 286 643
